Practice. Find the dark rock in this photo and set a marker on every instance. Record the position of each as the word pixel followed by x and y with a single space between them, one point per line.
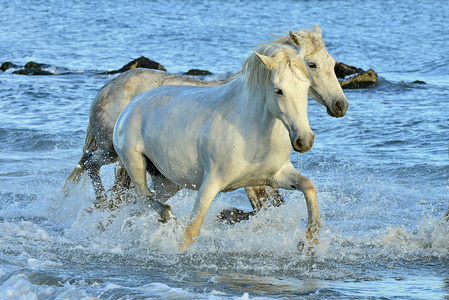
pixel 141 62
pixel 32 72
pixel 419 82
pixel 360 78
pixel 6 65
pixel 197 72
pixel 364 80
pixel 342 70
pixel 31 65
pixel 32 68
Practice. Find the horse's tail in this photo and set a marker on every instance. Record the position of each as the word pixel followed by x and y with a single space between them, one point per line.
pixel 90 145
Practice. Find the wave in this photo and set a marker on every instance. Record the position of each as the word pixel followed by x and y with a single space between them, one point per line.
pixel 30 140
pixel 42 285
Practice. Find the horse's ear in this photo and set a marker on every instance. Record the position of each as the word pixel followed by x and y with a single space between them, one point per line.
pixel 296 39
pixel 267 61
pixel 317 29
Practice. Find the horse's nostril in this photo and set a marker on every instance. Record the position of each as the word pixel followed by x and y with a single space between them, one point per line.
pixel 304 144
pixel 298 144
pixel 339 106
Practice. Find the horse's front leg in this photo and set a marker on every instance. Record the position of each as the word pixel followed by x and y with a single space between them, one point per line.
pixel 204 198
pixel 290 179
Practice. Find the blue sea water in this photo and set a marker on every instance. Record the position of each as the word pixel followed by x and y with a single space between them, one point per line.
pixel 381 171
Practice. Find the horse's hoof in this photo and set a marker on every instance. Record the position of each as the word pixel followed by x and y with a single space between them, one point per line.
pixel 311 240
pixel 166 214
pixel 188 240
pixel 300 246
pixel 311 232
pixel 307 248
pixel 234 215
pixel 184 246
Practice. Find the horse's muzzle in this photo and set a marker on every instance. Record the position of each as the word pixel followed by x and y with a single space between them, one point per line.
pixel 339 108
pixel 302 145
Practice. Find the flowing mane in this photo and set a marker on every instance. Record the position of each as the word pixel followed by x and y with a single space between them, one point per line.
pixel 257 74
pixel 313 41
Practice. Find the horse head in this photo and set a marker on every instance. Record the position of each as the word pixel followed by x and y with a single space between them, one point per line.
pixel 324 87
pixel 287 83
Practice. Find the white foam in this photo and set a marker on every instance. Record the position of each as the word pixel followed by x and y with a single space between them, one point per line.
pixel 277 229
pixel 39 264
pixel 245 296
pixel 19 287
pixel 27 230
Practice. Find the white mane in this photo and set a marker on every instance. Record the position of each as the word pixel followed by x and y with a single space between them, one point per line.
pixel 313 42
pixel 257 75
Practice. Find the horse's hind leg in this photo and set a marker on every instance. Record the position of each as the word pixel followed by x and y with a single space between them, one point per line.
pixel 164 188
pixel 136 165
pixel 274 196
pixel 258 196
pixel 93 161
pixel 257 199
pixel 90 145
pixel 120 187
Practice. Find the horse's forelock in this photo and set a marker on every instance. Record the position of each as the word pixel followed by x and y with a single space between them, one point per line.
pixel 257 74
pixel 313 41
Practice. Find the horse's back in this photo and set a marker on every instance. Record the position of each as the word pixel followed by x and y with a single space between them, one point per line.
pixel 113 97
pixel 174 79
pixel 117 93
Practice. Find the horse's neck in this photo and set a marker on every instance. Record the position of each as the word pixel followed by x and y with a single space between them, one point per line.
pixel 251 105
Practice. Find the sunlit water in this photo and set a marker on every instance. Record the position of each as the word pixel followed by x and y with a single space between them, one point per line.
pixel 381 171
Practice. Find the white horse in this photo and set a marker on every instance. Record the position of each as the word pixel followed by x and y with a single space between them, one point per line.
pixel 115 95
pixel 218 139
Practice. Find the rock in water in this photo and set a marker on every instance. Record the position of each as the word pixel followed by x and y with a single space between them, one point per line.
pixel 141 62
pixel 197 72
pixel 361 81
pixel 32 68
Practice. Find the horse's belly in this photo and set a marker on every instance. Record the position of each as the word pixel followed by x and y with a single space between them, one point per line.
pixel 252 175
pixel 178 164
pixel 178 172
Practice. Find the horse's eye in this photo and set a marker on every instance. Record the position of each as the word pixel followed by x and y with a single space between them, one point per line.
pixel 278 91
pixel 312 65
